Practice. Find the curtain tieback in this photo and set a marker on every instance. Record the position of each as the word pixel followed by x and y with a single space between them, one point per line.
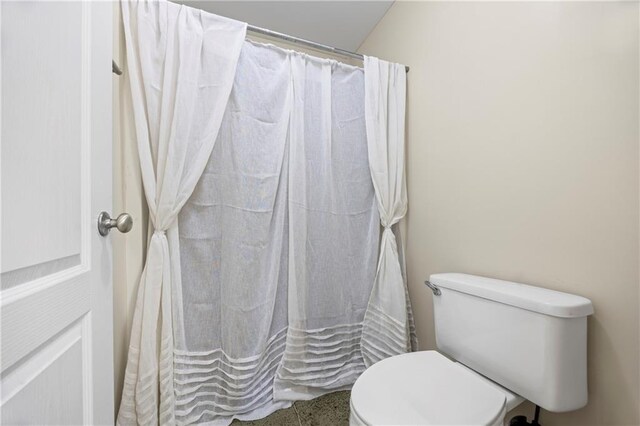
pixel 389 226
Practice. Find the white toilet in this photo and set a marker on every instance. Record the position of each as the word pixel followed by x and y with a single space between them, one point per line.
pixel 504 342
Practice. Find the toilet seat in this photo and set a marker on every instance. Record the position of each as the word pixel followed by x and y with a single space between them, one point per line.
pixel 424 388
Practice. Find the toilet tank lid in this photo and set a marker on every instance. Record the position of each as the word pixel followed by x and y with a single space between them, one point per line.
pixel 536 299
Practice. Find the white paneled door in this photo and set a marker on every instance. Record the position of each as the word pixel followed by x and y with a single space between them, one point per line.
pixel 55 289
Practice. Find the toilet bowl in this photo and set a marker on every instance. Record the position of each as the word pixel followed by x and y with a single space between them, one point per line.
pixel 504 342
pixel 426 388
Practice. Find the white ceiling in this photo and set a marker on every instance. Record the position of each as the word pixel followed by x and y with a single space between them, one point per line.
pixel 343 24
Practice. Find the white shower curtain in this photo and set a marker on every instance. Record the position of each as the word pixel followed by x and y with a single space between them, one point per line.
pixel 333 230
pixel 264 281
pixel 279 243
pixel 181 63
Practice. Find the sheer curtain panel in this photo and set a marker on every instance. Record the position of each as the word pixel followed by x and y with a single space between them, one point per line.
pixel 386 328
pixel 181 63
pixel 231 306
pixel 333 230
pixel 278 243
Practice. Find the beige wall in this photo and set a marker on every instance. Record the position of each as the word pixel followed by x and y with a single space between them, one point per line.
pixel 523 164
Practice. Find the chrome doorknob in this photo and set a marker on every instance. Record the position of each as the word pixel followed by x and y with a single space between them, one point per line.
pixel 124 223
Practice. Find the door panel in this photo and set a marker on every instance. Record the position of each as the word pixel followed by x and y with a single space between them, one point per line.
pixel 43 108
pixel 56 289
pixel 54 366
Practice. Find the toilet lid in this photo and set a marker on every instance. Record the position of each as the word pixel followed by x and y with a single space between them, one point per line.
pixel 424 388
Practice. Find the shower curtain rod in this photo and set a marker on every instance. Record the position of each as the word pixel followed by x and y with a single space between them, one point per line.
pixel 336 50
pixel 312 44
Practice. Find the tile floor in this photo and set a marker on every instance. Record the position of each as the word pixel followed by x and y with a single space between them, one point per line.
pixel 328 410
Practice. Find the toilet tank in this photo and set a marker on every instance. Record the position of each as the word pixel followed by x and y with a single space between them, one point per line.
pixel 528 339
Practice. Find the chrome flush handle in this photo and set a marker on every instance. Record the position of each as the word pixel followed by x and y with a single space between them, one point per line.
pixel 434 289
pixel 123 223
